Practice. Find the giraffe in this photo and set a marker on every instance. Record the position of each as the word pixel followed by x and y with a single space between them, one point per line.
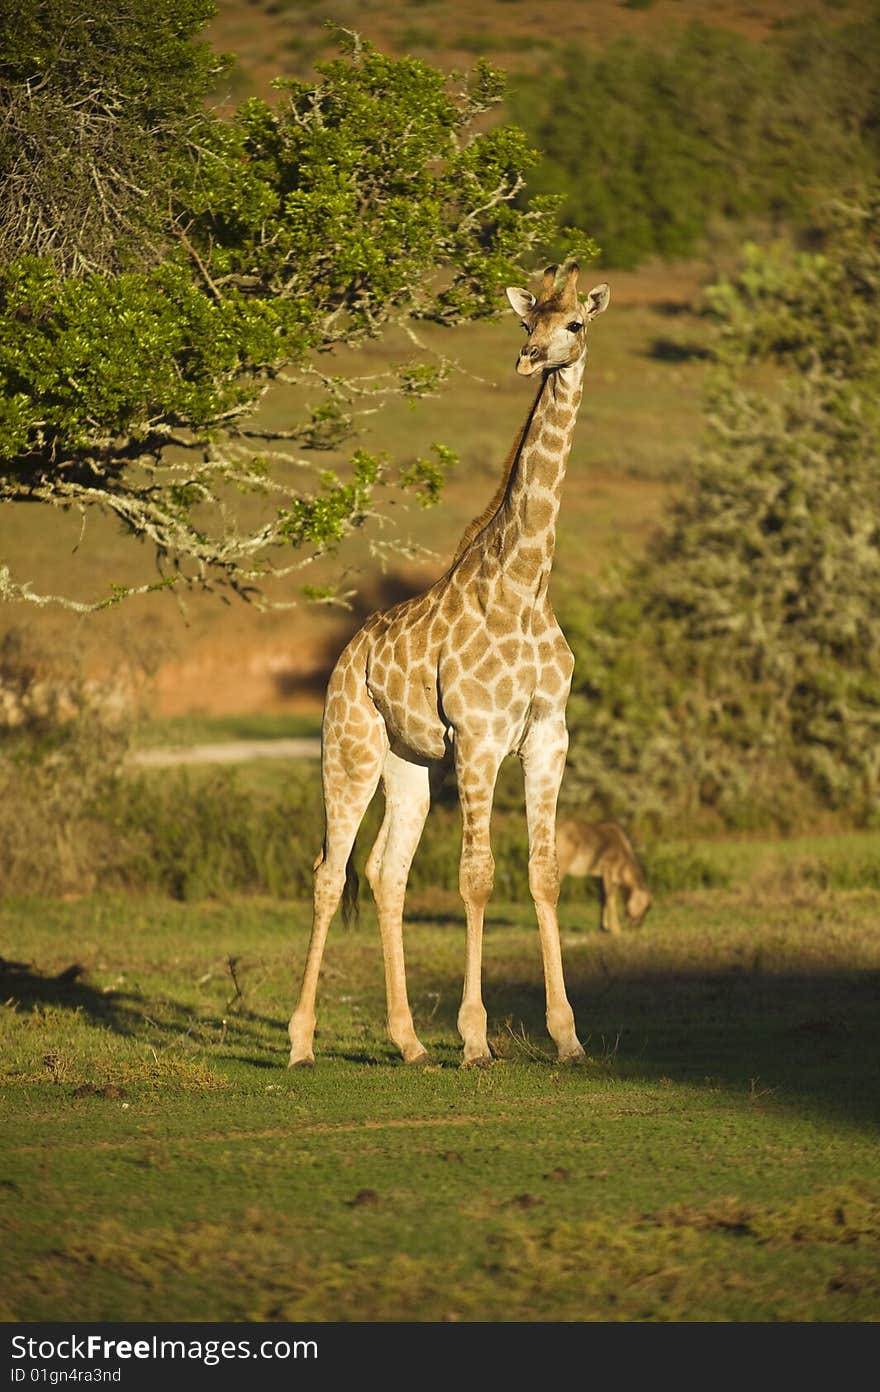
pixel 471 670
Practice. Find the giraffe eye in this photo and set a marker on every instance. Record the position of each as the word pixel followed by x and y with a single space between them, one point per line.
pixel 575 326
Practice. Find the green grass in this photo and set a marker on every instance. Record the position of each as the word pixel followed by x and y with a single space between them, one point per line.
pixel 186 730
pixel 715 1160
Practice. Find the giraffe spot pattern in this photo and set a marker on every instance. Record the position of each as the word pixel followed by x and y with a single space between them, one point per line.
pixel 470 650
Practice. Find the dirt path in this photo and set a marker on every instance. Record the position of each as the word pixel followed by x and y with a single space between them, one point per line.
pixel 229 752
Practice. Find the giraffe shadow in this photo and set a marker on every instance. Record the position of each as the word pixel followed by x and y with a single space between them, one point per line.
pixel 121 1011
pixel 810 1038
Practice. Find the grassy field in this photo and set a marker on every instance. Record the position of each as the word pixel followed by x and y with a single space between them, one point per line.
pixel 715 1160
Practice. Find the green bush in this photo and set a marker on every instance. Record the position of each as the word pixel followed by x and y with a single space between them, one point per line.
pixel 856 872
pixel 56 787
pixel 74 818
pixel 669 869
pixel 651 146
pixel 195 836
pixel 731 675
pixel 200 837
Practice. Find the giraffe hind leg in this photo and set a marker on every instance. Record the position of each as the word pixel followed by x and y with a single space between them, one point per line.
pixel 543 760
pixel 407 799
pixel 346 798
pixel 476 770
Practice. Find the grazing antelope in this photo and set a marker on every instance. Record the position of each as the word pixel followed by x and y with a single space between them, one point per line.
pixel 472 670
pixel 603 849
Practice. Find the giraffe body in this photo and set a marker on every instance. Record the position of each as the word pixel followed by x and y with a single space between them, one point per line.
pixel 472 670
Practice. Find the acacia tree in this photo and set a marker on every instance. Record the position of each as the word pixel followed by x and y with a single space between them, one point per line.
pixel 734 671
pixel 162 267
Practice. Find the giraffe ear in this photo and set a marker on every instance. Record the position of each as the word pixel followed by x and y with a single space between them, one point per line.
pixel 597 300
pixel 521 301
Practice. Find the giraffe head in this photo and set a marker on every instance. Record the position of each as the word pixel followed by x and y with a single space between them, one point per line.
pixel 556 322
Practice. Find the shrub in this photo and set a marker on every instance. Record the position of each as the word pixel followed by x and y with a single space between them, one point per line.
pixel 732 674
pixel 651 146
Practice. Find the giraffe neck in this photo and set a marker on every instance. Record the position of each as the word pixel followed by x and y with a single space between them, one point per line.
pixel 526 519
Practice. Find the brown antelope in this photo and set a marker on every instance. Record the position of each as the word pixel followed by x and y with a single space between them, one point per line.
pixel 603 849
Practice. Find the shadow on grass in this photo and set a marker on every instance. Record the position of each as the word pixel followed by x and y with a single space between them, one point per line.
pixel 810 1039
pixel 131 1014
pixel 671 351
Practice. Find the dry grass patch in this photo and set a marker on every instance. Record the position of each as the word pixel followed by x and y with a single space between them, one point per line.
pixel 843 1215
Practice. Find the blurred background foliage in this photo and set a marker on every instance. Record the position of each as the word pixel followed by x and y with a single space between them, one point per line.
pixel 733 671
pixel 654 147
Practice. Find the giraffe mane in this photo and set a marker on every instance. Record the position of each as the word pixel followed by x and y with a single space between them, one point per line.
pixel 474 528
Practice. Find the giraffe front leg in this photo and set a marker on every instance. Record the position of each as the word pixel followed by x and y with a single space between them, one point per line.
pixel 476 771
pixel 543 759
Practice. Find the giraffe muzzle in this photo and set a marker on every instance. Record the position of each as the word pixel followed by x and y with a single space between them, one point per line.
pixel 528 361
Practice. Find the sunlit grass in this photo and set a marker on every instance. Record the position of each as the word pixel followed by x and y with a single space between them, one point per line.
pixel 716 1158
pixel 186 730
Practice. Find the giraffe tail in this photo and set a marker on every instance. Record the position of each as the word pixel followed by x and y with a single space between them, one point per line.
pixel 350 892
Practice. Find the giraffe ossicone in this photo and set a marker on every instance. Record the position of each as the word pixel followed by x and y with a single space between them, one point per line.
pixel 472 670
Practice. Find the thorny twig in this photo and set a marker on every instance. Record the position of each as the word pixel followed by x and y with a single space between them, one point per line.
pixel 231 964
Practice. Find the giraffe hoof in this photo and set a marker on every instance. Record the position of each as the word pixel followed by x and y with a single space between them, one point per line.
pixel 301 1063
pixel 422 1060
pixel 573 1059
pixel 481 1061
